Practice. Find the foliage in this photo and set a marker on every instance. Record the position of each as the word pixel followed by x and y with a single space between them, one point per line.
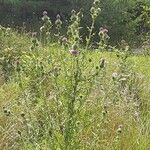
pixel 118 16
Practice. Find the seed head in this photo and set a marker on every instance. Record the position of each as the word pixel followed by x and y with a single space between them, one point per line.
pixel 73 11
pixel 58 16
pixel 114 75
pixel 22 114
pixel 103 30
pixel 102 63
pixel 96 2
pixel 119 130
pixel 44 13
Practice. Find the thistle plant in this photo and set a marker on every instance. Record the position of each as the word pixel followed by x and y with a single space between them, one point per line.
pixel 94 11
pixel 103 34
pixel 74 28
pixel 58 25
pixel 45 29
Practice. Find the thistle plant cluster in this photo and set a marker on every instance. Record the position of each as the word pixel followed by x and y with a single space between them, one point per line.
pixel 62 96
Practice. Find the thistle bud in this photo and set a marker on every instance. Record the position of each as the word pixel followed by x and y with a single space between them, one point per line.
pixel 22 114
pixel 102 63
pixel 58 16
pixel 44 13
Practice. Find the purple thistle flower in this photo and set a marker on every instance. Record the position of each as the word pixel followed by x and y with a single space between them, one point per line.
pixel 74 52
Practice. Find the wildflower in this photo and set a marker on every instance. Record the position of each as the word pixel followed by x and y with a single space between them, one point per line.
pixel 74 52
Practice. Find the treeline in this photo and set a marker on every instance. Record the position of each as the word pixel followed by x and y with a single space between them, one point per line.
pixel 125 19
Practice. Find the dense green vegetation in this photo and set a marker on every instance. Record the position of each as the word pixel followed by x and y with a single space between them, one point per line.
pixel 125 19
pixel 62 89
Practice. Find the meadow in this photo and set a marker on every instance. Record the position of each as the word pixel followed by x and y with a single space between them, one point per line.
pixel 62 92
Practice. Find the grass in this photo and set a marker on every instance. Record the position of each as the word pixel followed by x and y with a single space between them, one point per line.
pixel 51 99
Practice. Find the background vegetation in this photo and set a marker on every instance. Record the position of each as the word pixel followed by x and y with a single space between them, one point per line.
pixel 125 19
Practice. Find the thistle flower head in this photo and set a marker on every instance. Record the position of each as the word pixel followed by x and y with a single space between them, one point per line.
pixel 74 51
pixel 102 63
